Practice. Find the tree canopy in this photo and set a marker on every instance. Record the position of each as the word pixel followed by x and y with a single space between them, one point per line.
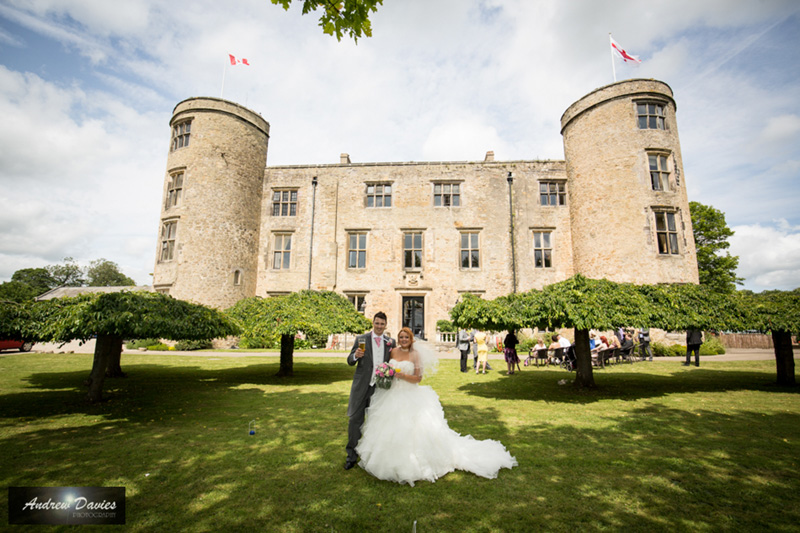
pixel 105 273
pixel 715 265
pixel 340 17
pixel 312 312
pixel 113 317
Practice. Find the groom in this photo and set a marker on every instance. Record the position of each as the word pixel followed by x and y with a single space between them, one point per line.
pixel 376 351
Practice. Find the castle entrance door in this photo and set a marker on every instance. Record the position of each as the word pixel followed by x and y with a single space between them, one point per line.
pixel 414 314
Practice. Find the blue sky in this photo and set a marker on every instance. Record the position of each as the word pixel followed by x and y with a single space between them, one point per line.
pixel 87 88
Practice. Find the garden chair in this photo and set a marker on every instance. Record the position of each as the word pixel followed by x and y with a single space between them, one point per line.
pixel 627 354
pixel 536 355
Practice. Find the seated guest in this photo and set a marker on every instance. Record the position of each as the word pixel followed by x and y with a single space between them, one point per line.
pixel 613 342
pixel 602 345
pixel 628 343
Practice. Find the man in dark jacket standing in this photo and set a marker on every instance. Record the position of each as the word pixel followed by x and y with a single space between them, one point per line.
pixel 694 338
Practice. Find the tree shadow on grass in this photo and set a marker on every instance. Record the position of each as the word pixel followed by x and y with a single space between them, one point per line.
pixel 544 385
pixel 193 466
pixel 149 385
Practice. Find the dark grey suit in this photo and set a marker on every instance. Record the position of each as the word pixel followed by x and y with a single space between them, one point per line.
pixel 360 390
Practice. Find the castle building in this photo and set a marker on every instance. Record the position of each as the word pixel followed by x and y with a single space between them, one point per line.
pixel 411 238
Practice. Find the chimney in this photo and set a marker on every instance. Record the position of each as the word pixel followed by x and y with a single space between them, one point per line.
pixel 344 159
pixel 489 156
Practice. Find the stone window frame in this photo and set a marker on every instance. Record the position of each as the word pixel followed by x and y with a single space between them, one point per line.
pixel 662 174
pixel 416 251
pixel 376 192
pixel 651 114
pixel 359 251
pixel 666 235
pixel 447 193
pixel 238 274
pixel 469 250
pixel 174 193
pixel 285 254
pixel 284 201
pixel 358 299
pixel 181 132
pixel 542 247
pixel 169 236
pixel 554 188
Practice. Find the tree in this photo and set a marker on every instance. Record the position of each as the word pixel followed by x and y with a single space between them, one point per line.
pixel 717 269
pixel 70 274
pixel 115 316
pixel 39 279
pixel 311 312
pixel 105 273
pixel 16 291
pixel 777 313
pixel 340 17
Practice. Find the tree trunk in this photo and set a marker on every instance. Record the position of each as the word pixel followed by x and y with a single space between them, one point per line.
pixel 784 357
pixel 584 378
pixel 103 352
pixel 287 351
pixel 114 370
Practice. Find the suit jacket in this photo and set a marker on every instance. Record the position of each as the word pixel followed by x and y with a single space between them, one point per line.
pixel 360 389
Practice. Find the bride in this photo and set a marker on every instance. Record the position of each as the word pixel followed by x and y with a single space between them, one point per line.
pixel 406 437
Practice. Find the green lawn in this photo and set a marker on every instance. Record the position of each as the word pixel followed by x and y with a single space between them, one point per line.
pixel 658 447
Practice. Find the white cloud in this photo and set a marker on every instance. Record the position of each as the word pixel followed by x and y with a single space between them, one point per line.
pixel 769 255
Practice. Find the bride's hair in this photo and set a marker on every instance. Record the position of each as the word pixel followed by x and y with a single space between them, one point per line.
pixel 407 331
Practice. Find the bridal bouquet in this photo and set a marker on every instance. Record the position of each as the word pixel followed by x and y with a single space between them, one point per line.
pixel 384 374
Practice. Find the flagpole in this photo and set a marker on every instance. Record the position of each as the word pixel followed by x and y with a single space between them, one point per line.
pixel 611 51
pixel 224 68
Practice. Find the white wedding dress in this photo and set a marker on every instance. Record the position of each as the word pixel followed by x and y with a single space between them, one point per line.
pixel 406 438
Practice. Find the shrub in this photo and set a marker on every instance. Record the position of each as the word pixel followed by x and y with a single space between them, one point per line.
pixel 525 343
pixel 141 343
pixel 678 350
pixel 660 350
pixel 159 346
pixel 186 346
pixel 712 346
pixel 445 326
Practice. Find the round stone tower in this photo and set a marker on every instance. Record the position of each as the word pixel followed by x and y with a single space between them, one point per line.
pixel 210 217
pixel 629 211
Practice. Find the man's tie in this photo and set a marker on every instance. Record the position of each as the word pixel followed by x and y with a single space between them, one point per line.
pixel 378 341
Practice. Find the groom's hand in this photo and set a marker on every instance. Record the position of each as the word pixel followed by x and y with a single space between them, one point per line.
pixel 359 353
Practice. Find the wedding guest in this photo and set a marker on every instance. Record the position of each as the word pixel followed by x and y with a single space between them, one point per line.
pixel 483 351
pixel 510 351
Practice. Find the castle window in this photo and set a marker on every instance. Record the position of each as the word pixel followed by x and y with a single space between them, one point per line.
pixel 666 233
pixel 412 250
pixel 379 195
pixel 174 190
pixel 282 251
pixel 180 134
pixel 359 302
pixel 553 193
pixel 659 173
pixel 542 249
pixel 284 203
pixel 357 250
pixel 470 250
pixel 446 194
pixel 650 116
pixel 237 277
pixel 169 231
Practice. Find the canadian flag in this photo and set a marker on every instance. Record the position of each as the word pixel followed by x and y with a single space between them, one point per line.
pixel 619 51
pixel 234 61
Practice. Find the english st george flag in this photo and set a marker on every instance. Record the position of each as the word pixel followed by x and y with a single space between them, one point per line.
pixel 620 52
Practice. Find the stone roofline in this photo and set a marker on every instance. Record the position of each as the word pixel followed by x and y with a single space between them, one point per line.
pixel 422 163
